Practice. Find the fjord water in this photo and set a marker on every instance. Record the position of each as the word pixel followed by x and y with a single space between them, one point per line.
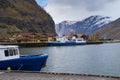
pixel 103 59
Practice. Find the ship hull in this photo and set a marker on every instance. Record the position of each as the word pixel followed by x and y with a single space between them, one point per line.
pixel 25 63
pixel 66 43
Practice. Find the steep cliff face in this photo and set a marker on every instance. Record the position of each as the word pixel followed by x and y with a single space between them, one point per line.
pixel 24 16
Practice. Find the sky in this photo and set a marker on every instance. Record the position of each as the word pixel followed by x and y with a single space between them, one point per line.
pixel 77 10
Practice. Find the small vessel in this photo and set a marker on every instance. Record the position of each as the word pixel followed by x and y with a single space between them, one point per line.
pixel 10 57
pixel 63 41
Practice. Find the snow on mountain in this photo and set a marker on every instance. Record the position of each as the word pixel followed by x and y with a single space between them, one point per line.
pixel 87 26
pixel 67 22
pixel 61 27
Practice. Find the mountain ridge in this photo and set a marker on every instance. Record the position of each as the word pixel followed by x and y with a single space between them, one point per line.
pixel 111 31
pixel 24 16
pixel 87 26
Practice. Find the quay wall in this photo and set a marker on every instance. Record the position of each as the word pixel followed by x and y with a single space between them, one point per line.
pixel 53 76
pixel 27 44
pixel 40 44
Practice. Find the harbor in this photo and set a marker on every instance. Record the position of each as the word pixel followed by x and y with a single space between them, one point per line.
pixel 102 59
pixel 59 40
pixel 52 76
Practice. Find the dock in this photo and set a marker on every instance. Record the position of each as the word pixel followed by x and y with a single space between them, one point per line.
pixel 27 44
pixel 45 44
pixel 52 76
pixel 99 42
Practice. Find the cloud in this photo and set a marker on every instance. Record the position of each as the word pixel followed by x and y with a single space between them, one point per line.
pixel 95 5
pixel 91 5
pixel 79 9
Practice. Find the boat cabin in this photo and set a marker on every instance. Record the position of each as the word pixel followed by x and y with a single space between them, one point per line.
pixel 8 52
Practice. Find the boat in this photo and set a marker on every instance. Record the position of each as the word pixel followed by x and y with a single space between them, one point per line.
pixel 10 58
pixel 63 41
pixel 70 43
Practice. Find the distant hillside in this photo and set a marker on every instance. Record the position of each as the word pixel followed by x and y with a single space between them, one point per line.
pixel 111 31
pixel 23 16
pixel 87 26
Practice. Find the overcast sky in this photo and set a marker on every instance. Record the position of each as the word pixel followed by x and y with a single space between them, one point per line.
pixel 76 10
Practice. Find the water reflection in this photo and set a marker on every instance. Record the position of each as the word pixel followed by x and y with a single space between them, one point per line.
pixel 91 59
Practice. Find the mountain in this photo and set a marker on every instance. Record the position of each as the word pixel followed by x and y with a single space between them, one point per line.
pixel 64 27
pixel 24 16
pixel 111 31
pixel 87 26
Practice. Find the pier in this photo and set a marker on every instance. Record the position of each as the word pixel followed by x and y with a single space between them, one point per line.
pixel 27 44
pixel 41 44
pixel 52 76
pixel 99 42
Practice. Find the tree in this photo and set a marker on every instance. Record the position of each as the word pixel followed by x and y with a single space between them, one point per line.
pixel 94 37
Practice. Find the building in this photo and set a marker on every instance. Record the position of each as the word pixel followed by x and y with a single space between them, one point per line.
pixel 32 37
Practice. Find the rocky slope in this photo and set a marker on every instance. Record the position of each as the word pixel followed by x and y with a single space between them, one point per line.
pixel 23 16
pixel 111 31
pixel 87 26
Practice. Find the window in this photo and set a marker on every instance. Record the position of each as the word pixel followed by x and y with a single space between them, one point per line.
pixel 15 52
pixel 11 52
pixel 6 53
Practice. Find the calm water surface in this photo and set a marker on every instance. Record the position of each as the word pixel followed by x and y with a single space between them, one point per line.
pixel 90 59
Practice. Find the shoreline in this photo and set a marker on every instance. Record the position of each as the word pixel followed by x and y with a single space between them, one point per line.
pixel 42 44
pixel 27 44
pixel 45 44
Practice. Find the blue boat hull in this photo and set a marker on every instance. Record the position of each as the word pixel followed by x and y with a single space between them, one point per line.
pixel 25 63
pixel 65 43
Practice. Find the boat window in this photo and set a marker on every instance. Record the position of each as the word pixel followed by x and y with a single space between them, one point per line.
pixel 6 53
pixel 11 52
pixel 15 52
